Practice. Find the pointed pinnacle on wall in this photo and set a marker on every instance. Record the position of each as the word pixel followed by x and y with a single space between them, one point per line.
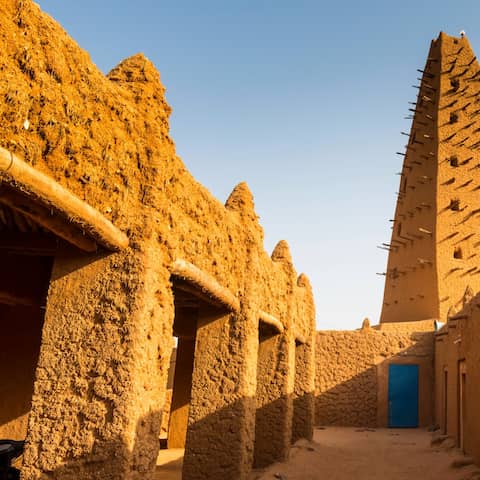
pixel 241 198
pixel 281 253
pixel 303 281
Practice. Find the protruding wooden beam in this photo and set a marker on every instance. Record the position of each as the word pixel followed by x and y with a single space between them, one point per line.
pixel 271 320
pixel 201 284
pixel 299 338
pixel 56 208
pixel 46 219
pixel 428 74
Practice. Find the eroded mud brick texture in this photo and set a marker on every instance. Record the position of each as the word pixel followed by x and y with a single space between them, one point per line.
pixel 433 265
pixel 352 373
pixel 457 369
pixel 108 322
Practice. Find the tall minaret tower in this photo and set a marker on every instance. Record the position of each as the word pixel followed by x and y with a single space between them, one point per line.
pixel 434 253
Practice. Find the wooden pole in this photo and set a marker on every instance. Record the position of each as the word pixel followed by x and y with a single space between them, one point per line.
pixel 46 219
pixel 271 320
pixel 54 207
pixel 202 284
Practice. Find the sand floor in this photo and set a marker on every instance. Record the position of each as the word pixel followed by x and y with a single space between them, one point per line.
pixel 363 454
pixel 169 464
pixel 339 453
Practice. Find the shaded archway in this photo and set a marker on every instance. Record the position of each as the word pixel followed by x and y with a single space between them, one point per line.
pixel 24 283
pixel 200 303
pixel 272 423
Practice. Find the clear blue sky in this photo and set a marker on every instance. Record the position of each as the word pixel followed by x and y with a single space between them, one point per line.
pixel 304 100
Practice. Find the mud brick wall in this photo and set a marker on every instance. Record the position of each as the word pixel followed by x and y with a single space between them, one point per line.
pixel 352 373
pixel 457 369
pixel 99 386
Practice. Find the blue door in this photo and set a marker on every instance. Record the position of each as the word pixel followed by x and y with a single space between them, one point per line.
pixel 403 395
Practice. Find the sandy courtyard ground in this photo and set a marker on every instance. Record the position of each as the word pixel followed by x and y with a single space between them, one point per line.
pixel 339 453
pixel 369 454
pixel 169 464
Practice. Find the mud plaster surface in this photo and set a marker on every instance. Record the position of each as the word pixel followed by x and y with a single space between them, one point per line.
pixel 457 343
pixel 352 372
pixel 101 376
pixel 433 262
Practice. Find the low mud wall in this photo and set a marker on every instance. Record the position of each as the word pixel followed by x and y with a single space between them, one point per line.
pixel 352 373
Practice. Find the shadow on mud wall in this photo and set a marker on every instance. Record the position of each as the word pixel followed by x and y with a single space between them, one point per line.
pixel 109 458
pixel 231 441
pixel 219 446
pixel 23 302
pixel 272 432
pixel 355 387
pixel 303 417
pixel 350 403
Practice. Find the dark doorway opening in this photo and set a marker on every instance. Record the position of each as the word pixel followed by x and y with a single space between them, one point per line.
pixel 192 309
pixel 300 402
pixel 24 282
pixel 462 411
pixel 445 401
pixel 268 396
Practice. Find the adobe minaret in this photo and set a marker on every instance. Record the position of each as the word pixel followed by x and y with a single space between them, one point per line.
pixel 433 264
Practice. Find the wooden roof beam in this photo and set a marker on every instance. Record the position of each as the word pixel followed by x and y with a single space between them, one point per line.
pixel 191 279
pixel 47 219
pixel 274 322
pixel 56 208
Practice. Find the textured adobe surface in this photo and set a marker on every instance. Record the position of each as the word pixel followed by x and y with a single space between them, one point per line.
pixel 433 267
pixel 456 399
pixel 352 373
pixel 101 376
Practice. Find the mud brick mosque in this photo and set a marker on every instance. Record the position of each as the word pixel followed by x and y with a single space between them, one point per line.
pixel 112 254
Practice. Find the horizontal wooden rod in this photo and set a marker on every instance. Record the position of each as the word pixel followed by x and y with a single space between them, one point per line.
pixel 44 218
pixel 203 283
pixel 300 339
pixel 274 322
pixel 67 207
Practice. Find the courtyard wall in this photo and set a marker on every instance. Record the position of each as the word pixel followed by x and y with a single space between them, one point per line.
pixel 352 372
